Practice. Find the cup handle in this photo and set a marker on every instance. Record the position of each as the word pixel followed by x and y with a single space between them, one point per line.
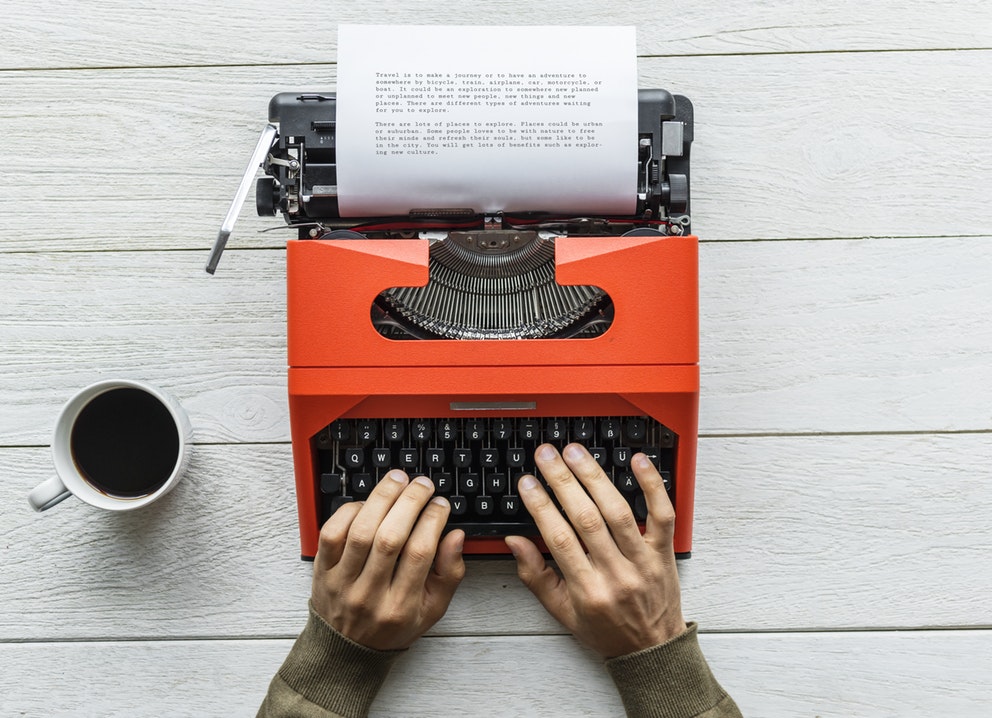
pixel 48 493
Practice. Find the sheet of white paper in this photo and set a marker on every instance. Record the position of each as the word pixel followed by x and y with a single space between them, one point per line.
pixel 512 119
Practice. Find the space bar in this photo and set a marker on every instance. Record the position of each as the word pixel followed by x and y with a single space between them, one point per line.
pixel 494 528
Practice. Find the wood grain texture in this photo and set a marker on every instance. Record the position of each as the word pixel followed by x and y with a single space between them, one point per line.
pixel 843 477
pixel 216 343
pixel 118 33
pixel 842 336
pixel 870 335
pixel 810 146
pixel 790 533
pixel 846 675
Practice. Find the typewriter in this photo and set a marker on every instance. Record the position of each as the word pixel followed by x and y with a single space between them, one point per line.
pixel 451 344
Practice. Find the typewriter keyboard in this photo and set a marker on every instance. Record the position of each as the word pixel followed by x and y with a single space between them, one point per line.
pixel 475 462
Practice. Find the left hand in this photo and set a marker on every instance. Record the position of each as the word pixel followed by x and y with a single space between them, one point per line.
pixel 382 576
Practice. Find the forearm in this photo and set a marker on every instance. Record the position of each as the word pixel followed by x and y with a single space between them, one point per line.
pixel 326 676
pixel 672 680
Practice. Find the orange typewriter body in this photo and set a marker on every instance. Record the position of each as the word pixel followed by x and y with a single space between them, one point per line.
pixel 341 367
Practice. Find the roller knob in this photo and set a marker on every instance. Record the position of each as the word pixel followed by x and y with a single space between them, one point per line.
pixel 678 193
pixel 266 196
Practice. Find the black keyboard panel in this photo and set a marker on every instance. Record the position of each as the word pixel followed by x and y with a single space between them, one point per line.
pixel 475 462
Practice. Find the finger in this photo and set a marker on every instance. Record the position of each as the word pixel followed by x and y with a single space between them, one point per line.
pixel 417 555
pixel 449 570
pixel 366 523
pixel 541 580
pixel 333 535
pixel 613 507
pixel 558 534
pixel 396 527
pixel 660 529
pixel 582 511
pixel 449 566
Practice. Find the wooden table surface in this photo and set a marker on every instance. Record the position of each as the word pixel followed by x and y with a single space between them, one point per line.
pixel 842 561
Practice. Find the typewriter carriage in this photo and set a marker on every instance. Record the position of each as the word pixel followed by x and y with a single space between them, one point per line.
pixel 301 166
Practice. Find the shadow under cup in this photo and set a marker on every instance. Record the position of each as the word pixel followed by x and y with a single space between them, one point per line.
pixel 125 443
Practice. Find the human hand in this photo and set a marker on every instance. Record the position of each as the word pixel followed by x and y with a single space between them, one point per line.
pixel 381 575
pixel 620 593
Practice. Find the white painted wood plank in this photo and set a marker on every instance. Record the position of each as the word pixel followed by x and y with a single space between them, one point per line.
pixel 841 336
pixel 841 532
pixel 855 675
pixel 237 32
pixel 216 343
pixel 869 335
pixel 790 533
pixel 830 675
pixel 824 145
pixel 199 562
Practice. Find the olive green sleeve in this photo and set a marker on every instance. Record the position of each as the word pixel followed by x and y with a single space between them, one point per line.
pixel 326 675
pixel 672 680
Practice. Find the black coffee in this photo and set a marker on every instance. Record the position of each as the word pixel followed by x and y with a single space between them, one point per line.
pixel 125 443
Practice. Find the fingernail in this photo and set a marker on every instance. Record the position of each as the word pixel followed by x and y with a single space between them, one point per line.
pixel 527 483
pixel 424 481
pixel 440 501
pixel 460 543
pixel 397 476
pixel 546 452
pixel 573 451
pixel 641 461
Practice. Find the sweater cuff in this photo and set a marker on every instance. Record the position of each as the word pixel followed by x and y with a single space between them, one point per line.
pixel 671 680
pixel 334 672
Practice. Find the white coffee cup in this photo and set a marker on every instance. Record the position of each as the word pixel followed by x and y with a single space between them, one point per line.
pixel 118 445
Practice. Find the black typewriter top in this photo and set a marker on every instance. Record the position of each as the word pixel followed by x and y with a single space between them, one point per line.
pixel 301 174
pixel 299 158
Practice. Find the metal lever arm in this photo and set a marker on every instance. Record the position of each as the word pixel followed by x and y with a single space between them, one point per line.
pixel 265 141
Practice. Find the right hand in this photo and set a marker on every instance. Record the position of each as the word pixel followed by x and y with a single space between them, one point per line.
pixel 619 594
